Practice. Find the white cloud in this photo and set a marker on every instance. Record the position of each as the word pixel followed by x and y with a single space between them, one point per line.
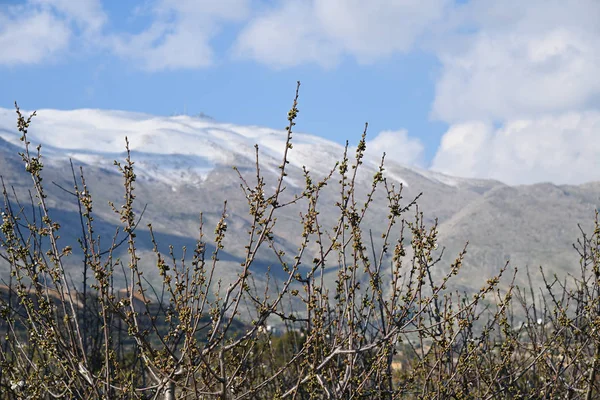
pixel 30 36
pixel 88 15
pixel 286 37
pixel 398 147
pixel 561 149
pixel 520 59
pixel 323 31
pixel 40 30
pixel 532 69
pixel 464 150
pixel 180 34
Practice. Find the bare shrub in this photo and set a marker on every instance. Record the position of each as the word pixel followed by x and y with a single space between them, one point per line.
pixel 387 328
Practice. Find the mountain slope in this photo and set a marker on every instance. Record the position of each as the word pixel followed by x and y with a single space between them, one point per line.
pixel 184 165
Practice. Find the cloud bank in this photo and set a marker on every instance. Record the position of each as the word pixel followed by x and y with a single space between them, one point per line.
pixel 561 149
pixel 324 31
pixel 531 70
pixel 30 36
pixel 180 33
pixel 398 146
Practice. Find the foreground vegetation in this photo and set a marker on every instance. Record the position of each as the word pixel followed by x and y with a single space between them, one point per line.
pixel 388 328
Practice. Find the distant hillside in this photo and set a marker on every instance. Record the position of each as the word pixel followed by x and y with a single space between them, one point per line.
pixel 185 164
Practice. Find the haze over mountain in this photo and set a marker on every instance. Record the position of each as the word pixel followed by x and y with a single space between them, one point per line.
pixel 184 167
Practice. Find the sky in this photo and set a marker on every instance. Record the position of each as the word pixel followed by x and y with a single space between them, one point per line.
pixel 500 89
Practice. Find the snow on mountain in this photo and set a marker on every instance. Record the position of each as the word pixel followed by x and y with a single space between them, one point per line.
pixel 534 225
pixel 177 149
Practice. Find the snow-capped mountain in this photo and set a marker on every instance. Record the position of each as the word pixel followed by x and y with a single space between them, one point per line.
pixel 181 149
pixel 173 150
pixel 185 167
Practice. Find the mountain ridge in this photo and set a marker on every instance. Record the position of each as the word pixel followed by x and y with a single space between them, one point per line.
pixel 528 224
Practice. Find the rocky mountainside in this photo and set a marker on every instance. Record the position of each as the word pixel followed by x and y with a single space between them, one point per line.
pixel 184 167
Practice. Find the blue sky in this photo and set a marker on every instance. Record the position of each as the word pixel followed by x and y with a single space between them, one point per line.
pixel 500 89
